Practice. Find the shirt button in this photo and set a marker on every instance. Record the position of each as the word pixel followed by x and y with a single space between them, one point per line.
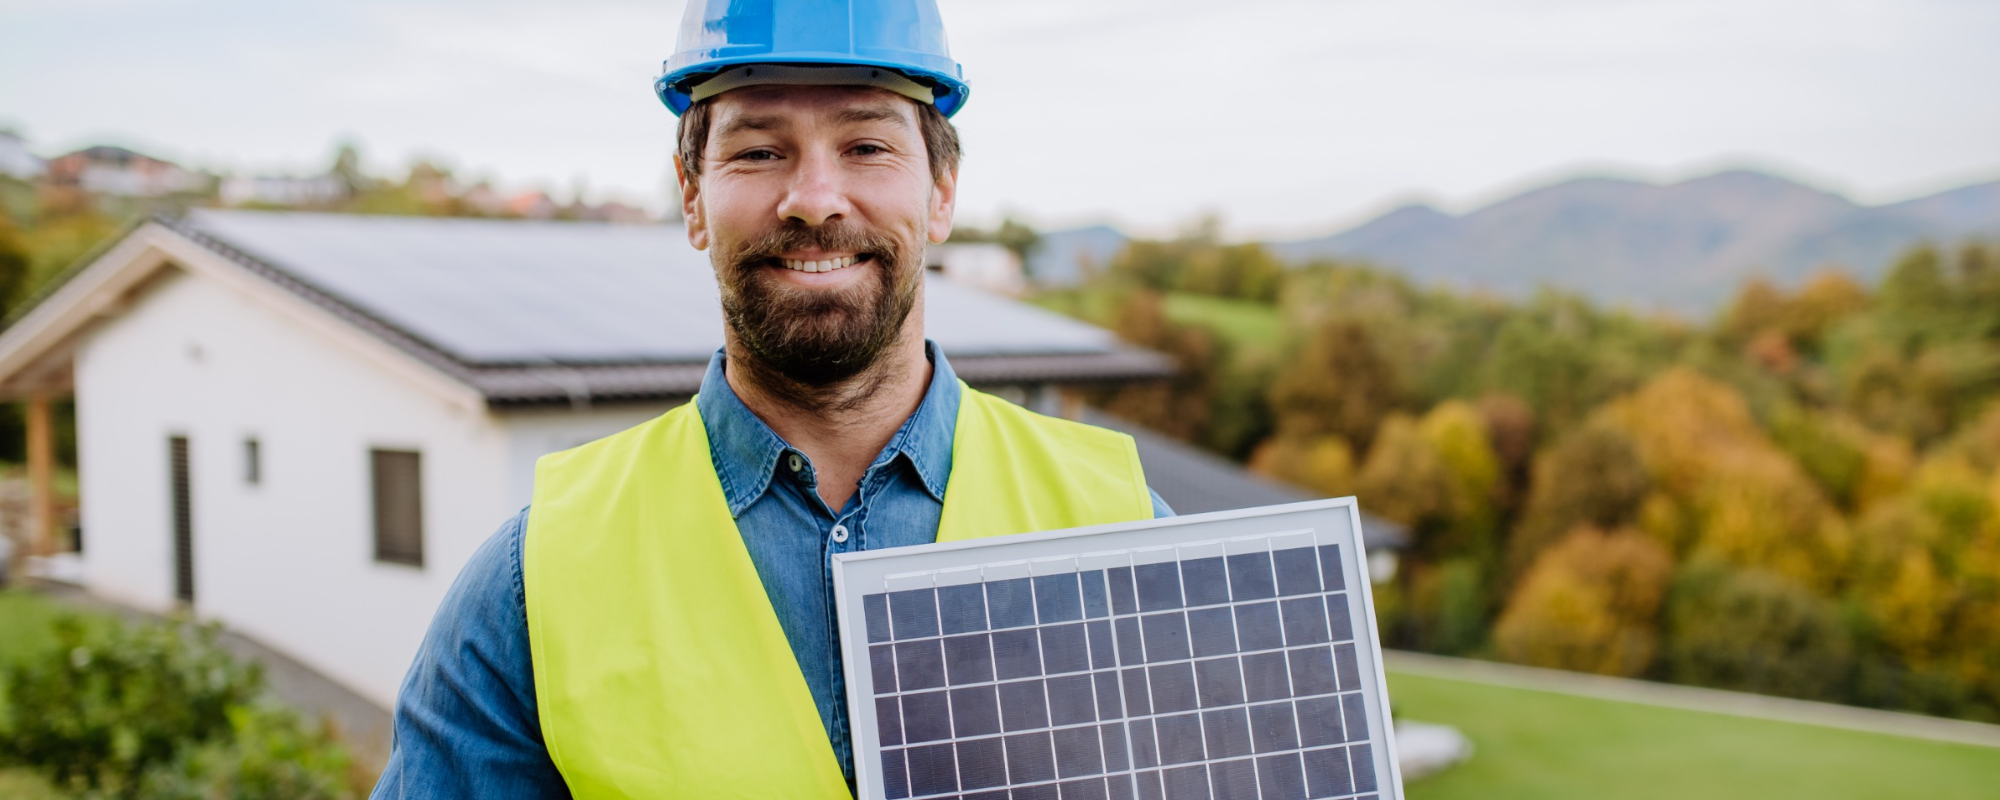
pixel 795 462
pixel 840 534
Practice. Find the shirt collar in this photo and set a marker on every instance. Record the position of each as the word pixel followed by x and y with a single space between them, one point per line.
pixel 746 451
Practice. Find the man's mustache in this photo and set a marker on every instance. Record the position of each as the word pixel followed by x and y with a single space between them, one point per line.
pixel 835 237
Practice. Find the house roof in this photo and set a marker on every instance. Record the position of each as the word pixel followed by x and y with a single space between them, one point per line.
pixel 1195 481
pixel 531 312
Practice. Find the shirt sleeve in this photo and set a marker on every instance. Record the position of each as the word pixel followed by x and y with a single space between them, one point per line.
pixel 1160 507
pixel 466 723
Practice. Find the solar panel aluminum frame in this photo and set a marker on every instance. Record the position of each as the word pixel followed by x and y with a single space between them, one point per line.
pixel 1332 521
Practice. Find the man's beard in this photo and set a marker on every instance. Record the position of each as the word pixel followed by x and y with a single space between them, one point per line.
pixel 817 338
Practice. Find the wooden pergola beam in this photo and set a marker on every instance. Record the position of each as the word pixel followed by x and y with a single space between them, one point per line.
pixel 41 475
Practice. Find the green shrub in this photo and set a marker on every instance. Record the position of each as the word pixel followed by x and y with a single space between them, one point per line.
pixel 159 712
pixel 270 755
pixel 98 712
pixel 1755 631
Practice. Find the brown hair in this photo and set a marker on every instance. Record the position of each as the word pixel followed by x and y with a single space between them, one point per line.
pixel 940 139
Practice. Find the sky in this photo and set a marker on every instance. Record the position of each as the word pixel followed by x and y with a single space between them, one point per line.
pixel 1285 118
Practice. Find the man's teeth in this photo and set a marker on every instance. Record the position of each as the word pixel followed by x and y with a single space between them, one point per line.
pixel 828 265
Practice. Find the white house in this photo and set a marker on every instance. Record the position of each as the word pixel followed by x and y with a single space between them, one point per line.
pixel 987 266
pixel 17 160
pixel 302 424
pixel 281 190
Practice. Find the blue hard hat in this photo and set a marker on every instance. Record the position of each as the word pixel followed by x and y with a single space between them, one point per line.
pixel 903 35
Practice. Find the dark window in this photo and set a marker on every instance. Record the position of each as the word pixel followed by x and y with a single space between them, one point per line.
pixel 399 506
pixel 183 519
pixel 253 462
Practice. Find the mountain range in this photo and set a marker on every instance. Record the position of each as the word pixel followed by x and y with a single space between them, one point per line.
pixel 1683 246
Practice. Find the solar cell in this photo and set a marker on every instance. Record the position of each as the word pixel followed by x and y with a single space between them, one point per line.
pixel 1221 656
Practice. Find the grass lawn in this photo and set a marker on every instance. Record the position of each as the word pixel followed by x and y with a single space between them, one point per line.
pixel 1253 328
pixel 1547 746
pixel 25 629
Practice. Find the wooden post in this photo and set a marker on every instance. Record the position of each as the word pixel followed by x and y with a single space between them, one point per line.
pixel 1072 405
pixel 41 476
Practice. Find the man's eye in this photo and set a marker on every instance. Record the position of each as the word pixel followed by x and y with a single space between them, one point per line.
pixel 868 149
pixel 758 155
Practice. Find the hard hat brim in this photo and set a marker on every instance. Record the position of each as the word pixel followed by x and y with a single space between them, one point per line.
pixel 674 88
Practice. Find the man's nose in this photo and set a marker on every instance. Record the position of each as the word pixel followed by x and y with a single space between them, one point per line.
pixel 816 194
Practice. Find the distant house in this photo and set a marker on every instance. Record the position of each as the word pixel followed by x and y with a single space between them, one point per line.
pixel 282 190
pixel 122 172
pixel 987 266
pixel 16 160
pixel 531 205
pixel 303 424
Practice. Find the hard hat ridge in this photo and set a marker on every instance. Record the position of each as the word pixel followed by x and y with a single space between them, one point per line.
pixel 904 37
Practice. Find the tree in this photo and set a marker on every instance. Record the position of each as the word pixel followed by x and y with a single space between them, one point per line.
pixel 347 168
pixel 1457 433
pixel 1448 606
pixel 1510 428
pixel 1589 604
pixel 1829 297
pixel 1405 480
pixel 1324 465
pixel 15 262
pixel 1592 477
pixel 1752 631
pixel 1758 307
pixel 1336 384
pixel 1181 405
pixel 1544 364
pixel 1751 504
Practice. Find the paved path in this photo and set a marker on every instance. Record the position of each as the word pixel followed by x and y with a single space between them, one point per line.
pixel 363 725
pixel 1693 698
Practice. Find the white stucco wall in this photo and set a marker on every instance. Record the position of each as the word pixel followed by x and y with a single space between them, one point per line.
pixel 534 433
pixel 289 561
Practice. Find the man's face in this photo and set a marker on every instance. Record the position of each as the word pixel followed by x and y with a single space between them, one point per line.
pixel 816 204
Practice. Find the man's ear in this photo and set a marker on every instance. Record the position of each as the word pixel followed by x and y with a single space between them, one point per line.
pixel 944 201
pixel 697 225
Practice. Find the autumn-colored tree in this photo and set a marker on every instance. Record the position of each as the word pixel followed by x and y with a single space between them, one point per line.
pixel 1753 505
pixel 1759 306
pixel 1323 465
pixel 1829 297
pixel 1457 433
pixel 1406 480
pixel 1592 477
pixel 1510 428
pixel 1336 384
pixel 1854 466
pixel 1590 604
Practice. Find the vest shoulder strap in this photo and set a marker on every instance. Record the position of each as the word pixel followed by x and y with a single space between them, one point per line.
pixel 1016 471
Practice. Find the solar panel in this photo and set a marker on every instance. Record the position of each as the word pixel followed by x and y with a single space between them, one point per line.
pixel 1224 656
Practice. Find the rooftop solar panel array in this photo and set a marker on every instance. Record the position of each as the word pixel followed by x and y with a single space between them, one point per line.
pixel 1188 658
pixel 512 291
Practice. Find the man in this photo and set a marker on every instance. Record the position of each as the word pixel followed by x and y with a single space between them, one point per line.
pixel 659 622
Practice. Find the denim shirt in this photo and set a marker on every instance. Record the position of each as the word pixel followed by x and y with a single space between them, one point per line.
pixel 466 723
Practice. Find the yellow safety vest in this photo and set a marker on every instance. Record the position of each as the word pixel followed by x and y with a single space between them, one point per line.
pixel 660 668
